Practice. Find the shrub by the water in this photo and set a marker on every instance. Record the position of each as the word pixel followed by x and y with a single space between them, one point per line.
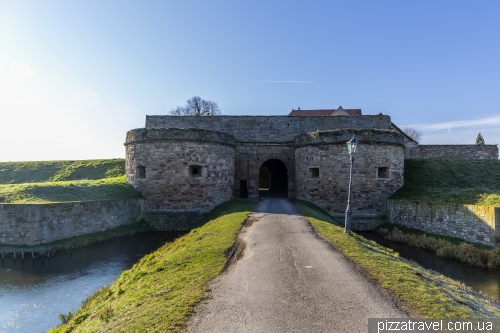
pixel 465 252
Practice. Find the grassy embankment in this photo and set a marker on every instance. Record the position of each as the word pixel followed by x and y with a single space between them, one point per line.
pixel 60 181
pixel 424 292
pixel 160 292
pixel 475 182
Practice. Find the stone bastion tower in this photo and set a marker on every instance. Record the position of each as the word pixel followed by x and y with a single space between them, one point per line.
pixel 184 165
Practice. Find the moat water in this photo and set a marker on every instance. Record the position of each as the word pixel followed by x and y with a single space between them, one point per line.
pixel 485 280
pixel 34 292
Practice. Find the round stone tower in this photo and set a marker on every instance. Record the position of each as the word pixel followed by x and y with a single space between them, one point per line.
pixel 322 172
pixel 181 173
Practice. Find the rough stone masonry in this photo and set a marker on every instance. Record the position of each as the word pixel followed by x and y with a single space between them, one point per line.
pixel 185 166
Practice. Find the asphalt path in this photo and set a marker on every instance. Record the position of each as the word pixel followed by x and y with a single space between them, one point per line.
pixel 289 280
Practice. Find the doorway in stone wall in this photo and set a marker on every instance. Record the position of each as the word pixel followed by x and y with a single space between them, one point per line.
pixel 243 188
pixel 273 179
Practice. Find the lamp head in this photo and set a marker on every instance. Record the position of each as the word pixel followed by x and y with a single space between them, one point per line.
pixel 352 146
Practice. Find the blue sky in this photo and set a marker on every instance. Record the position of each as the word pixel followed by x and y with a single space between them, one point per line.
pixel 75 76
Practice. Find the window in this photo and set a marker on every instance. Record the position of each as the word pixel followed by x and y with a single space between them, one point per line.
pixel 383 173
pixel 141 172
pixel 313 172
pixel 195 171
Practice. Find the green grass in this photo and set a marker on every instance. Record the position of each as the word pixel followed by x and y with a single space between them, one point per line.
pixel 424 292
pixel 62 191
pixel 161 291
pixel 60 181
pixel 474 182
pixel 52 171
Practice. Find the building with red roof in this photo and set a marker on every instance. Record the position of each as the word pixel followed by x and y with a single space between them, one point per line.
pixel 325 112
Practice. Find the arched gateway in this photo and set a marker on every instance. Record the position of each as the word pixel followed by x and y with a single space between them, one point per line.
pixel 273 178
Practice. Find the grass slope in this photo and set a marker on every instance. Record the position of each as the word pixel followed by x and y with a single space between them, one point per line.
pixel 451 181
pixel 160 292
pixel 62 191
pixel 430 294
pixel 60 181
pixel 52 171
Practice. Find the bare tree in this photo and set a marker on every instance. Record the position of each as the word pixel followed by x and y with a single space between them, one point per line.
pixel 196 106
pixel 412 132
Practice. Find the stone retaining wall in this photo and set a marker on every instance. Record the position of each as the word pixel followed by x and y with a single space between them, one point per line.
pixel 473 223
pixel 33 224
pixel 452 152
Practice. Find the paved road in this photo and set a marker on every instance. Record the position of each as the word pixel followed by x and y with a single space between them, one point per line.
pixel 288 280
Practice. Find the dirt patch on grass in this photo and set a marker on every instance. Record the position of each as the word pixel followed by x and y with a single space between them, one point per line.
pixel 236 251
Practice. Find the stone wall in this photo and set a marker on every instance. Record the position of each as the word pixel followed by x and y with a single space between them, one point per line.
pixel 181 173
pixel 323 165
pixel 479 224
pixel 452 152
pixel 33 224
pixel 268 129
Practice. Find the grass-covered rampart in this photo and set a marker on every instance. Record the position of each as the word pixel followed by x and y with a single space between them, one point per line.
pixel 474 182
pixel 54 171
pixel 160 292
pixel 424 292
pixel 63 191
pixel 61 181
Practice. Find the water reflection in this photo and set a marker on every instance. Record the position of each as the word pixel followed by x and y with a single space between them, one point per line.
pixel 33 293
pixel 485 280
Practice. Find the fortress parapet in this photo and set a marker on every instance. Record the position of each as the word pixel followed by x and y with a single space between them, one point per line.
pixel 142 135
pixel 364 136
pixel 269 129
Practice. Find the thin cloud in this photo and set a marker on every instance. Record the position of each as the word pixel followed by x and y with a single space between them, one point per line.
pixel 277 81
pixel 490 121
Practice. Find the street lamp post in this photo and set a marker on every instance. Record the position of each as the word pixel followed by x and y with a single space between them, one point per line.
pixel 352 145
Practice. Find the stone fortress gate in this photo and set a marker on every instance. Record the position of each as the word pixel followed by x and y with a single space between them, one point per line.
pixel 185 165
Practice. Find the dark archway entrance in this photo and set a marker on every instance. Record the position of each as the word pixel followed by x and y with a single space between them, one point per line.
pixel 273 179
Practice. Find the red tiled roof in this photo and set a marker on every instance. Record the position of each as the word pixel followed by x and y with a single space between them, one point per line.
pixel 325 112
